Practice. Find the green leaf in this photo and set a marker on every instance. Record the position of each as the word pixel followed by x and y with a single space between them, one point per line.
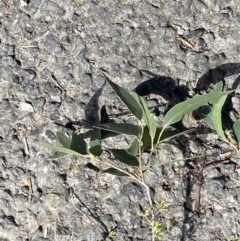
pixel 236 129
pixel 125 157
pixel 58 148
pixel 57 155
pixel 75 143
pixel 122 128
pixel 166 135
pixel 176 113
pixel 95 140
pixel 147 117
pixel 146 139
pixel 64 140
pixel 205 112
pixel 69 132
pixel 169 134
pixel 115 172
pixel 218 87
pixel 133 150
pixel 96 150
pixel 217 116
pixel 78 144
pixel 126 98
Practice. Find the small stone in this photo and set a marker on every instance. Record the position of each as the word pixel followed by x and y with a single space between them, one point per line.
pixel 25 189
pixel 193 147
pixel 26 107
pixel 142 233
pixel 50 135
pixel 8 60
pixel 209 37
pixel 114 34
pixel 52 109
pixel 201 44
pixel 39 102
pixel 86 80
pixel 56 95
pixel 28 75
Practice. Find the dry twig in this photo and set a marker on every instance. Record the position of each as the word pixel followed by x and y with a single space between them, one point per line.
pixel 22 137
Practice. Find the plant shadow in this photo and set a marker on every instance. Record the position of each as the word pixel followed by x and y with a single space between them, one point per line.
pixel 166 87
pixel 218 74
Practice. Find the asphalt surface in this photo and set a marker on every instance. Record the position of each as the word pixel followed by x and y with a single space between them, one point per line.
pixel 52 57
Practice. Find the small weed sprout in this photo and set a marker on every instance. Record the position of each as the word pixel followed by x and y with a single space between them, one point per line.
pixel 145 213
pixel 155 226
pixel 112 233
pixel 147 136
pixel 234 238
pixel 162 205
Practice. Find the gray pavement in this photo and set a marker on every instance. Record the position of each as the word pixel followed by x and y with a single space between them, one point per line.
pixel 52 57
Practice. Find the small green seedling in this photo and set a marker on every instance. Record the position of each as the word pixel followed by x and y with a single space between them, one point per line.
pixel 147 136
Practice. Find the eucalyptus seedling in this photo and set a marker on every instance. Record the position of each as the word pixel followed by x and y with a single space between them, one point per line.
pixel 147 136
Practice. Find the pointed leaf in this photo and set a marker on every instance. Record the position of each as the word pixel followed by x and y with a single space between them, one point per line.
pixel 125 157
pixel 205 112
pixel 169 134
pixel 78 144
pixel 96 134
pixel 147 117
pixel 69 132
pixel 176 113
pixel 75 143
pixel 218 87
pixel 236 129
pixel 115 172
pixel 58 148
pixel 217 116
pixel 64 140
pixel 126 98
pixel 95 140
pixel 146 139
pixel 57 155
pixel 166 135
pixel 133 150
pixel 96 150
pixel 122 128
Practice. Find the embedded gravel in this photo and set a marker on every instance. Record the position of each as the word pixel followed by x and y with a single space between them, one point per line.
pixel 53 54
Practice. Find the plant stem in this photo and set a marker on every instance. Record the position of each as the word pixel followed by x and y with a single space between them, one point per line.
pixel 118 168
pixel 139 180
pixel 231 144
pixel 140 153
pixel 150 204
